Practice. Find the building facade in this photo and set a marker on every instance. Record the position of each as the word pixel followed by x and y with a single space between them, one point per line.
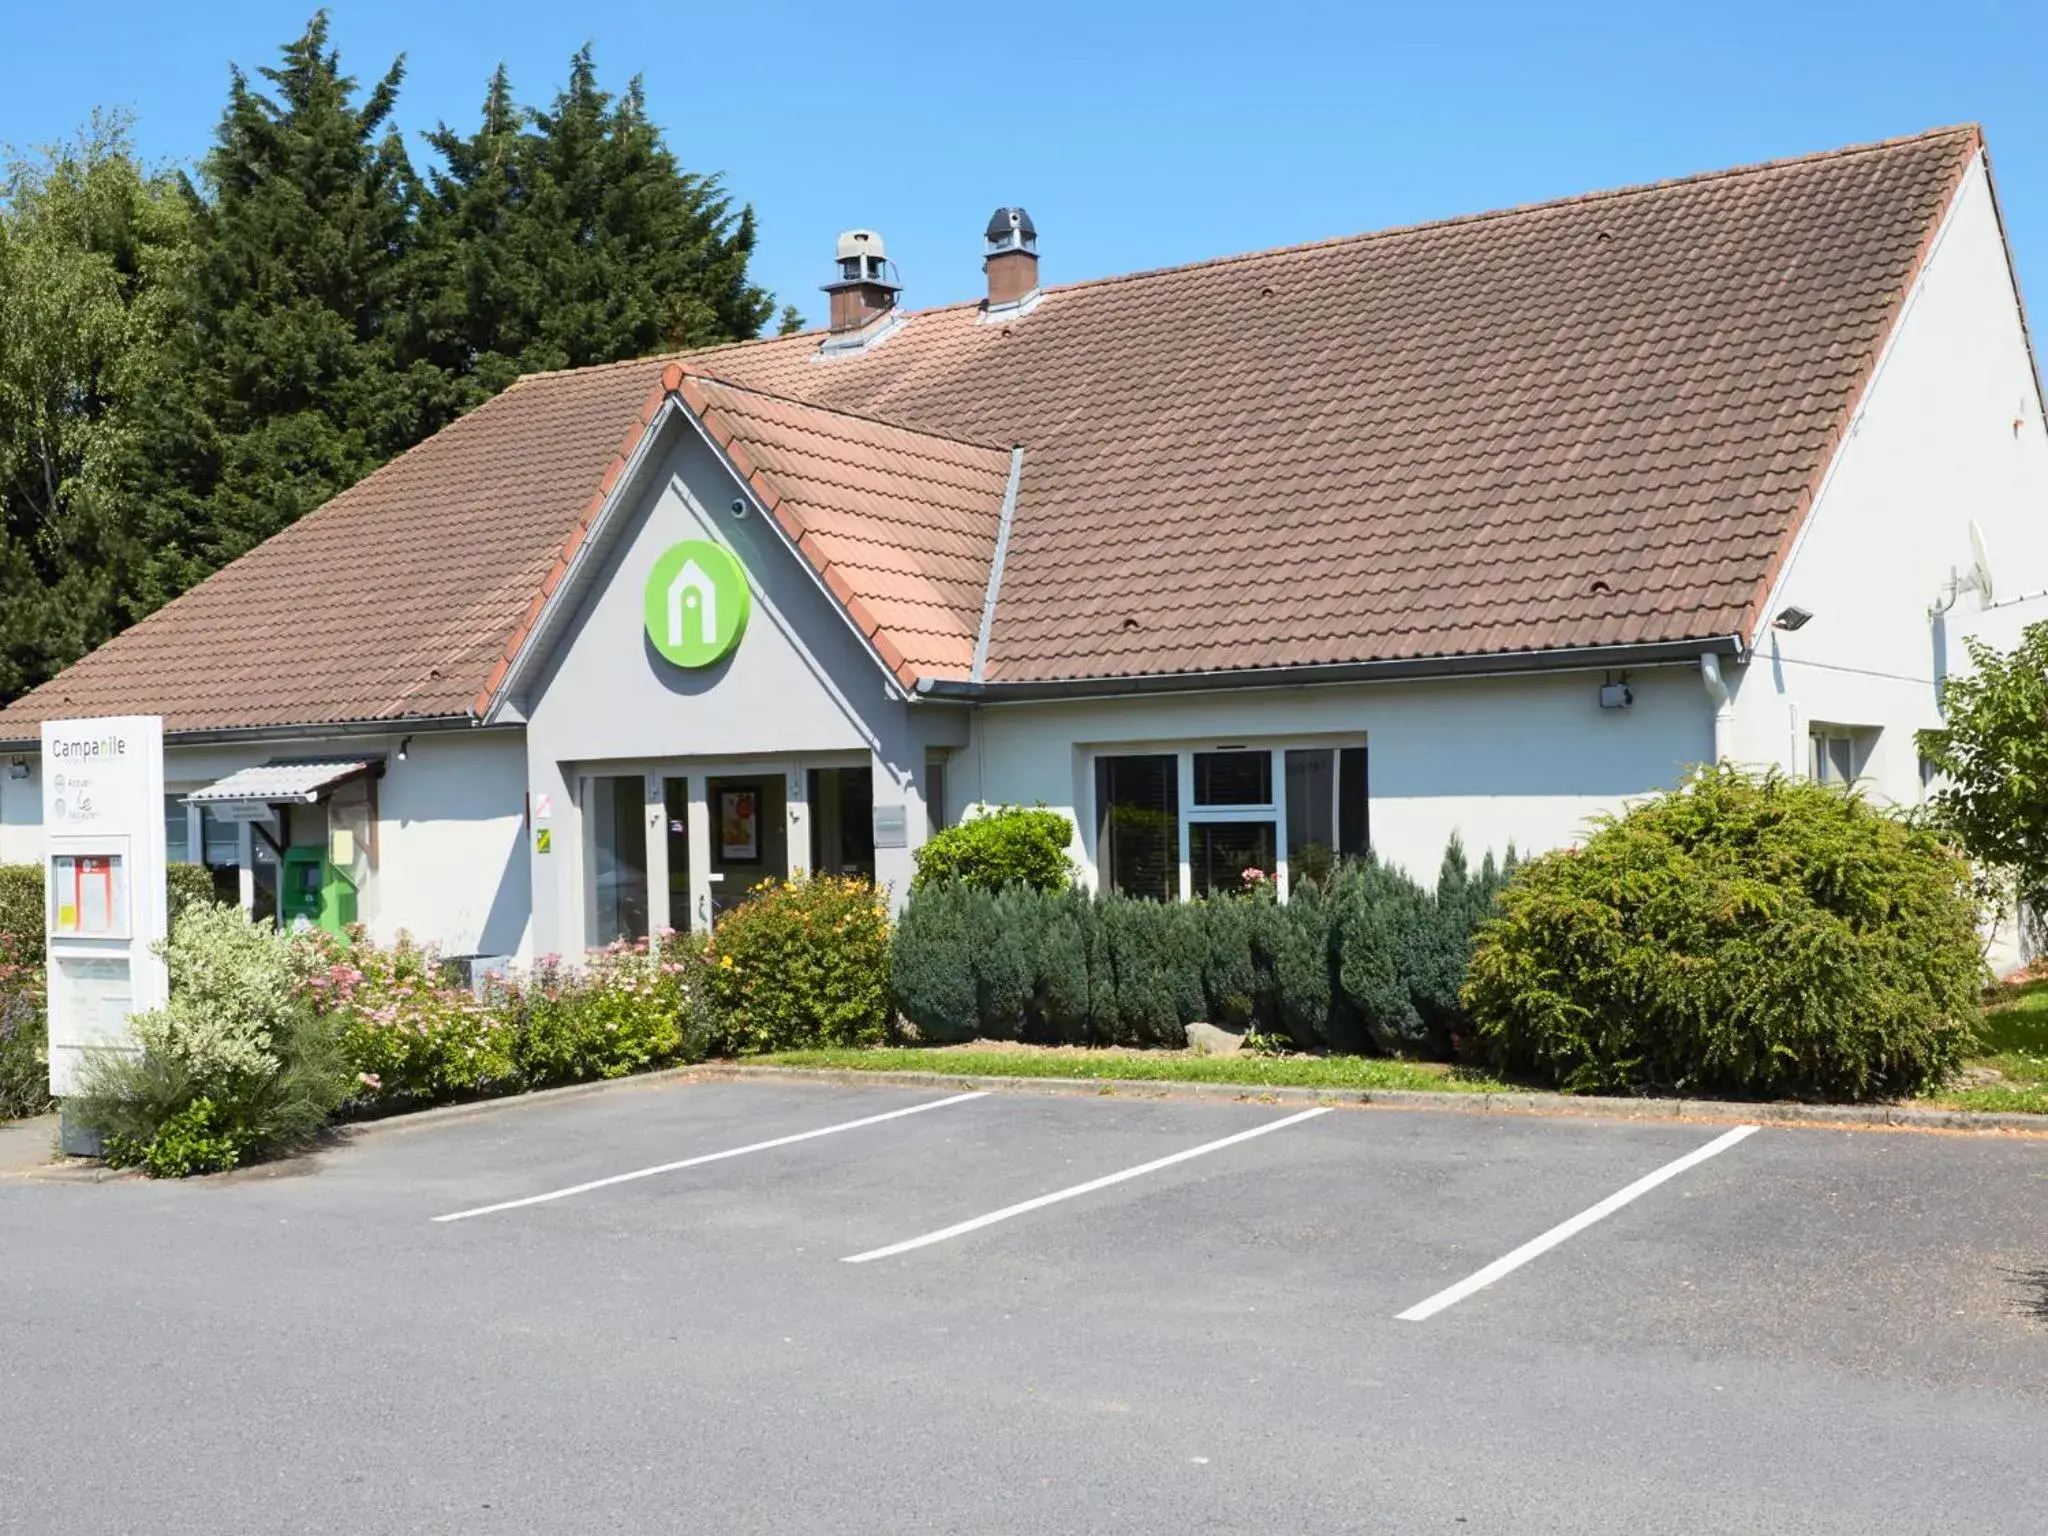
pixel 1475 530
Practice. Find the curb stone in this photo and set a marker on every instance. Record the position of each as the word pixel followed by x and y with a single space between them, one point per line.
pixel 1839 1116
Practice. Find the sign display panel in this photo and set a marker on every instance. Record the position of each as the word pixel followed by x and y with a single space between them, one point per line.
pixel 89 894
pixel 103 882
pixel 697 601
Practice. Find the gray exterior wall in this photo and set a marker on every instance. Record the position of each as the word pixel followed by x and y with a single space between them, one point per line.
pixel 801 687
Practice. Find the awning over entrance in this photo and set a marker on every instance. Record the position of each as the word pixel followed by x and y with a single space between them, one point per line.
pixel 279 783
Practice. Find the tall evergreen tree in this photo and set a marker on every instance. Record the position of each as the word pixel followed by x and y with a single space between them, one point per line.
pixel 92 248
pixel 301 363
pixel 573 236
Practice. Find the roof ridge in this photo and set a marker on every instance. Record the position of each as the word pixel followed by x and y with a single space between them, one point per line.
pixel 833 410
pixel 1973 131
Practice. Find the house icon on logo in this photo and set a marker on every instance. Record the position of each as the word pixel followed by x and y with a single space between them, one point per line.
pixel 693 592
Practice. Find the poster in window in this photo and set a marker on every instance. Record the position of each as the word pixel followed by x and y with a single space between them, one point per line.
pixel 739 826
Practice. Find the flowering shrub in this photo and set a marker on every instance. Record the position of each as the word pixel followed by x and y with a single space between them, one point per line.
pixel 235 1066
pixel 626 1010
pixel 24 1061
pixel 407 1036
pixel 802 963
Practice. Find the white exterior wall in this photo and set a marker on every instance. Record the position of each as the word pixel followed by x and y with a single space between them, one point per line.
pixel 451 860
pixel 21 811
pixel 1524 760
pixel 1950 429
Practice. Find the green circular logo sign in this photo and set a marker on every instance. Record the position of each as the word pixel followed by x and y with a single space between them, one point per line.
pixel 697 603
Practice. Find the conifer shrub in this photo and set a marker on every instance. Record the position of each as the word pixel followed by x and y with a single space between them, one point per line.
pixel 932 962
pixel 1366 960
pixel 1744 935
pixel 1006 845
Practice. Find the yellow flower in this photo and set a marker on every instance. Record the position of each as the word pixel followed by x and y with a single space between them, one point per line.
pixel 725 962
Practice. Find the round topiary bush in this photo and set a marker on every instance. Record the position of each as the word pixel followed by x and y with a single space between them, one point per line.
pixel 1007 845
pixel 1745 935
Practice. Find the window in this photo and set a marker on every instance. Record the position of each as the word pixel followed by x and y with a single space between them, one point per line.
pixel 618 825
pixel 1234 777
pixel 1289 813
pixel 1838 754
pixel 177 830
pixel 934 795
pixel 1137 803
pixel 220 850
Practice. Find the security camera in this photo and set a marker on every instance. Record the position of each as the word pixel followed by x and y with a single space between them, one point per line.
pixel 739 506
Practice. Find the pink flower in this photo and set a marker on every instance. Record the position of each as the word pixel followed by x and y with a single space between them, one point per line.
pixel 1254 876
pixel 370 1080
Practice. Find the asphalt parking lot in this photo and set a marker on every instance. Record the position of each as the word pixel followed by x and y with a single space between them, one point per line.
pixel 1064 1314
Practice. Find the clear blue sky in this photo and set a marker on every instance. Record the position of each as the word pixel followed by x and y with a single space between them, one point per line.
pixel 1138 135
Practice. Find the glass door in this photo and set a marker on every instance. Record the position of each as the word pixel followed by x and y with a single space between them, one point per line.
pixel 675 802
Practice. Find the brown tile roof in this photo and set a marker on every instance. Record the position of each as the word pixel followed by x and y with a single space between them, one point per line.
pixel 901 524
pixel 1591 422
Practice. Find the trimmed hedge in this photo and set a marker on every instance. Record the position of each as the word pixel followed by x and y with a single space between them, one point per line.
pixel 1369 961
pixel 1745 935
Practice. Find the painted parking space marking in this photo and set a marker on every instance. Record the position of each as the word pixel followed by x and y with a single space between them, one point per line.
pixel 1508 1263
pixel 975 1224
pixel 708 1157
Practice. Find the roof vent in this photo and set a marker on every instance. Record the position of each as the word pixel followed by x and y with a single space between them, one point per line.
pixel 1010 258
pixel 867 284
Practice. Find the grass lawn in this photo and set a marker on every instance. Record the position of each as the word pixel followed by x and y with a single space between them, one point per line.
pixel 2016 1047
pixel 1356 1072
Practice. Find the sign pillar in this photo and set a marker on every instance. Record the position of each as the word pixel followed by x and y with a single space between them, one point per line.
pixel 103 885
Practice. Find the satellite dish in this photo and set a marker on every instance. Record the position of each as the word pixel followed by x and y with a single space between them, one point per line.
pixel 1980 566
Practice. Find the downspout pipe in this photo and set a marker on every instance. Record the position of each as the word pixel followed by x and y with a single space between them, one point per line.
pixel 1724 707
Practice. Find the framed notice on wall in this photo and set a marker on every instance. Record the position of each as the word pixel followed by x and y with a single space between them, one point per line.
pixel 739 825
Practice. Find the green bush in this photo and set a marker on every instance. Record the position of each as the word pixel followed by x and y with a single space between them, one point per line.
pixel 21 911
pixel 802 963
pixel 157 1111
pixel 186 884
pixel 236 1036
pixel 1743 935
pixel 1365 960
pixel 407 1037
pixel 24 1037
pixel 1005 846
pixel 626 1010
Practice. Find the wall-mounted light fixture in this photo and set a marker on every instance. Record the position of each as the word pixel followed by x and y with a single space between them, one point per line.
pixel 1791 618
pixel 17 768
pixel 407 742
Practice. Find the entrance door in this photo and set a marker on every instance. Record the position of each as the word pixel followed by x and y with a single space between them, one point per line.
pixel 843 821
pixel 675 803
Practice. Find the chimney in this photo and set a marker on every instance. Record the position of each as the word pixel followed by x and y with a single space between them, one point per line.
pixel 865 286
pixel 1010 258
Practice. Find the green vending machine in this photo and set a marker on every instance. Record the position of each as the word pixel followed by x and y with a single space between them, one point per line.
pixel 315 891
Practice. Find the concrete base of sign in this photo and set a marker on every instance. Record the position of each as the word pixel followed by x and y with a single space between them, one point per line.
pixel 74 1140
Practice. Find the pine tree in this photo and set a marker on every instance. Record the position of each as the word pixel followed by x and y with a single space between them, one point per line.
pixel 572 236
pixel 301 367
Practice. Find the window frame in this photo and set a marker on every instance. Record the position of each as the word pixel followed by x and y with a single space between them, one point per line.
pixel 1273 813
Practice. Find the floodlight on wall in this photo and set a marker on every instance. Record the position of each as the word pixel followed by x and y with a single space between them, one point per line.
pixel 18 768
pixel 407 742
pixel 1791 618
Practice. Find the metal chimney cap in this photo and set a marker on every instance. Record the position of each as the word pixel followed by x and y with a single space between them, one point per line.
pixel 860 242
pixel 1007 221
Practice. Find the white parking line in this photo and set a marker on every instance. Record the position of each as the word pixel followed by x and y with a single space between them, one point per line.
pixel 708 1157
pixel 1022 1206
pixel 1508 1263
